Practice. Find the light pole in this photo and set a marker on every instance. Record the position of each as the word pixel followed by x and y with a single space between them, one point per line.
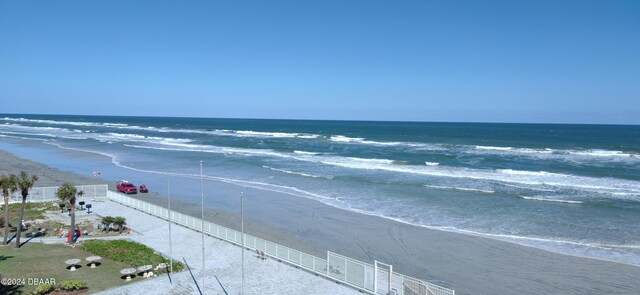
pixel 242 235
pixel 202 221
pixel 169 220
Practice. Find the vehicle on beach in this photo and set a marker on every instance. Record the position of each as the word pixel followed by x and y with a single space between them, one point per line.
pixel 126 187
pixel 144 189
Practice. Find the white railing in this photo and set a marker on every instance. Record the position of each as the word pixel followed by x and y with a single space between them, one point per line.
pixel 348 271
pixel 48 194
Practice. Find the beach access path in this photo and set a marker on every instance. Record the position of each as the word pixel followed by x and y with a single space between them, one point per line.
pixel 222 259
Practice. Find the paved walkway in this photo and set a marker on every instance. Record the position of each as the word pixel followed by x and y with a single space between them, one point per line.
pixel 222 260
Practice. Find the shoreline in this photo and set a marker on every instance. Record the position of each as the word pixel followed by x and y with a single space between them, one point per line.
pixel 466 263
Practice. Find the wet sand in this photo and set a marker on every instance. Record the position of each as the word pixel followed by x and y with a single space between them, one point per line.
pixel 468 264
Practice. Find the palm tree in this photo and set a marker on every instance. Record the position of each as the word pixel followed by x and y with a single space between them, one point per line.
pixel 67 192
pixel 120 222
pixel 24 183
pixel 8 185
pixel 107 221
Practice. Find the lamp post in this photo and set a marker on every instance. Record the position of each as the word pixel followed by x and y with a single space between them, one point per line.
pixel 169 220
pixel 202 221
pixel 242 236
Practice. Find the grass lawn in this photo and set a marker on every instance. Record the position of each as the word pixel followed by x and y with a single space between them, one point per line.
pixel 36 260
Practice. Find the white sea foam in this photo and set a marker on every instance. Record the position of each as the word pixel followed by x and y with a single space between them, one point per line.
pixel 305 153
pixel 251 133
pixel 467 189
pixel 601 153
pixel 266 134
pixel 308 136
pixel 342 138
pixel 531 173
pixel 142 138
pixel 296 173
pixel 537 180
pixel 534 152
pixel 10 126
pixel 495 148
pixel 595 154
pixel 360 140
pixel 551 199
pixel 72 123
pixel 56 132
pixel 185 147
pixel 530 178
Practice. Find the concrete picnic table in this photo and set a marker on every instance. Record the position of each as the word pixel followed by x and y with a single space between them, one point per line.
pixel 72 262
pixel 145 269
pixel 92 260
pixel 128 272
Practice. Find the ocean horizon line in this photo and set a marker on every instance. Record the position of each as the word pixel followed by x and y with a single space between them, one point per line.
pixel 334 120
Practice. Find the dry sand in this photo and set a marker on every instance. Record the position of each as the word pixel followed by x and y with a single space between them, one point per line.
pixel 468 264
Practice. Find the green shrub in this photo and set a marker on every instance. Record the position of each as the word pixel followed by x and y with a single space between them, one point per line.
pixel 72 285
pixel 120 222
pixel 129 252
pixel 106 221
pixel 44 289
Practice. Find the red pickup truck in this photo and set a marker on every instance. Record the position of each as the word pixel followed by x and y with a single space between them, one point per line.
pixel 126 187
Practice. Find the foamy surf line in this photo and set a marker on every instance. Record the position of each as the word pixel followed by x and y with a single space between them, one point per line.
pixel 622 189
pixel 64 133
pixel 594 154
pixel 71 123
pixel 296 173
pixel 466 189
pixel 547 199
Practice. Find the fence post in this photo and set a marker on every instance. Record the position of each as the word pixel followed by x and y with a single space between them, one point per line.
pixel 345 269
pixel 375 276
pixel 390 276
pixel 327 271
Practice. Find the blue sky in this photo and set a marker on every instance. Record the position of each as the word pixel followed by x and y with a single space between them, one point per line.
pixel 489 61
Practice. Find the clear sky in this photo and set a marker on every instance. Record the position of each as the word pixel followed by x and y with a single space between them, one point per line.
pixel 491 61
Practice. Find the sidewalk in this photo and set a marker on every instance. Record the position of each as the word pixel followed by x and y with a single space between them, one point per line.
pixel 222 259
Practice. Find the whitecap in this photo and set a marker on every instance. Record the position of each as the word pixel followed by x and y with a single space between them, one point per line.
pixel 550 199
pixel 467 189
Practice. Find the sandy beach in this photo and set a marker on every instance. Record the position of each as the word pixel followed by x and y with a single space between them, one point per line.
pixel 468 264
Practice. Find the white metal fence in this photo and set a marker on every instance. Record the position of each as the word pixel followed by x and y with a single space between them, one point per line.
pixel 48 194
pixel 345 270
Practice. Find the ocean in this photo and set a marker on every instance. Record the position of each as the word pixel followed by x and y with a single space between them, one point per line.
pixel 573 189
